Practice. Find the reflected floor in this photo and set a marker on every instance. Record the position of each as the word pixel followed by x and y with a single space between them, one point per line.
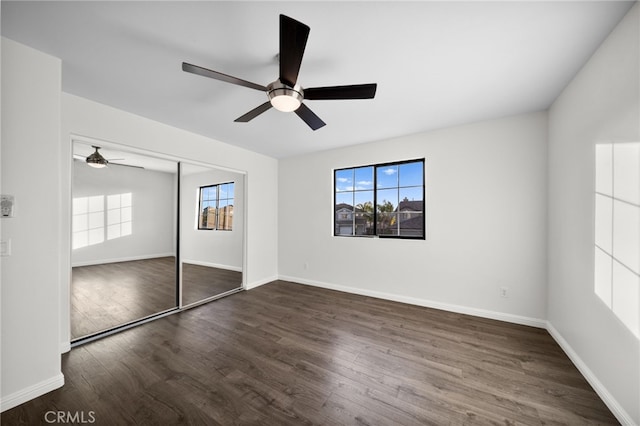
pixel 200 282
pixel 107 295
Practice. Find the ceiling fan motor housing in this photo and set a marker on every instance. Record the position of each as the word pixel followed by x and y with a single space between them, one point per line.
pixel 283 97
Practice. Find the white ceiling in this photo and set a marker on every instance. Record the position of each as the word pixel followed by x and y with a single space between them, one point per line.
pixel 437 64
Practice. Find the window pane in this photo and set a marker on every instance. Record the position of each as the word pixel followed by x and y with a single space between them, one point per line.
pixel 362 198
pixel 230 190
pixel 343 219
pixel 411 194
pixel 223 190
pixel 387 176
pixel 344 198
pixel 364 213
pixel 363 178
pixel 411 224
pixel 344 180
pixel 411 174
pixel 387 199
pixel 387 223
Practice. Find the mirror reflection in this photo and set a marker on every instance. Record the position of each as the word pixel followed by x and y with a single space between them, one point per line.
pixel 211 231
pixel 123 238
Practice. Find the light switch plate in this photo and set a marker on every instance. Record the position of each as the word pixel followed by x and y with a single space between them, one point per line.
pixel 7 203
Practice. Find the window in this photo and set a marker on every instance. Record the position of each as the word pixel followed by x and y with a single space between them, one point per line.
pixel 385 200
pixel 617 231
pixel 216 207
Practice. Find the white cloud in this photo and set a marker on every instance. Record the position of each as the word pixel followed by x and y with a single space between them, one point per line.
pixel 390 171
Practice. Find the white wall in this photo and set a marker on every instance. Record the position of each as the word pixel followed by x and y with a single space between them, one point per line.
pixel 486 222
pixel 599 105
pixel 91 119
pixel 153 210
pixel 30 276
pixel 220 249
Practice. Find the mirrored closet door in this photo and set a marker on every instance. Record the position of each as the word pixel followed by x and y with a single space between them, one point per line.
pixel 123 239
pixel 211 232
pixel 150 236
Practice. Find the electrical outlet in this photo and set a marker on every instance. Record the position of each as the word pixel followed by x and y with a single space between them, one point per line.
pixel 504 292
pixel 306 265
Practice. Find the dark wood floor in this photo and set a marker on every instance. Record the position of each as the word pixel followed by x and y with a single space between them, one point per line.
pixel 200 282
pixel 107 295
pixel 104 296
pixel 288 354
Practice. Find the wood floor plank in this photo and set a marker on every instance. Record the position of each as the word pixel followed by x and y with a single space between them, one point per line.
pixel 288 354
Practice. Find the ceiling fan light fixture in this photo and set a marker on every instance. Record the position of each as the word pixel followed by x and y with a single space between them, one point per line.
pixel 96 160
pixel 284 98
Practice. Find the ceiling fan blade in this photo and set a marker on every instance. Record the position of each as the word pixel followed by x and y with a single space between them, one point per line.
pixel 354 91
pixel 253 113
pixel 194 69
pixel 309 117
pixel 293 40
pixel 125 165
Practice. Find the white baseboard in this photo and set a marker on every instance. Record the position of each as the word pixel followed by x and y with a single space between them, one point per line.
pixel 31 392
pixel 623 417
pixel 65 347
pixel 252 285
pixel 121 259
pixel 213 265
pixel 501 316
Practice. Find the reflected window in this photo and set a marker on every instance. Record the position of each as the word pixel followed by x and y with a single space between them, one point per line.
pixel 216 207
pixel 617 231
pixel 386 200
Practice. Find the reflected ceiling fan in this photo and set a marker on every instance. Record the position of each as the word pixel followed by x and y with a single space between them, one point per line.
pixel 97 161
pixel 285 94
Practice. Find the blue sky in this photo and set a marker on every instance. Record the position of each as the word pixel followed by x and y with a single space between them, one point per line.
pixel 394 183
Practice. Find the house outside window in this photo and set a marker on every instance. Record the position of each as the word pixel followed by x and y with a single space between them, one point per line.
pixel 396 190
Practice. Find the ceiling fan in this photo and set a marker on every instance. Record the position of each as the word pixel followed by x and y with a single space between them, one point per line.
pixel 285 94
pixel 97 161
